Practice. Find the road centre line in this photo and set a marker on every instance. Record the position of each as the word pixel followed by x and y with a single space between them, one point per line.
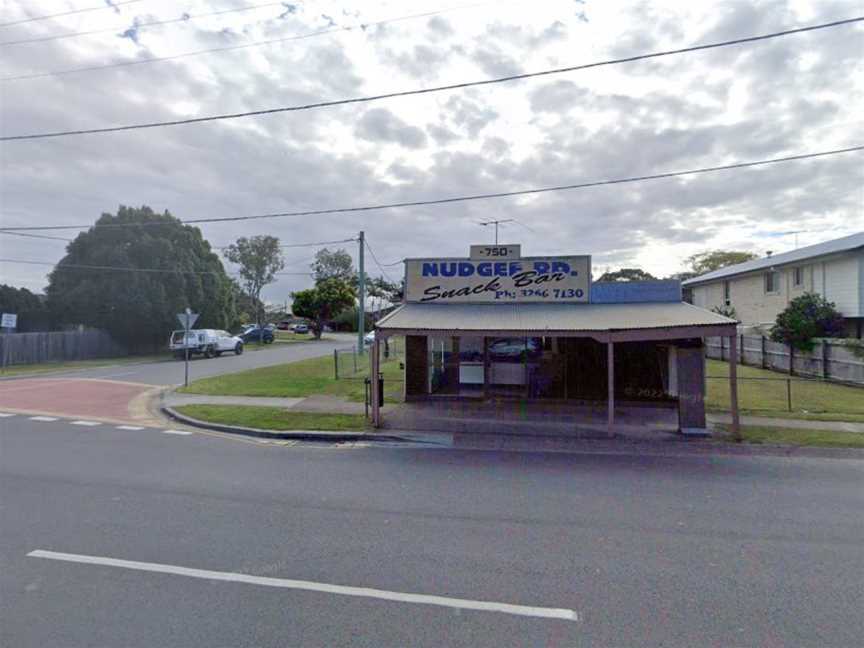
pixel 311 586
pixel 178 432
pixel 129 427
pixel 6 414
pixel 86 423
pixel 43 418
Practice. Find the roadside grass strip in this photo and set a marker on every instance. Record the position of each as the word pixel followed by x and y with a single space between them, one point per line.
pixel 311 586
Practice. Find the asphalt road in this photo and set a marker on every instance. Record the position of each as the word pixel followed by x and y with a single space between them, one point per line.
pixel 170 372
pixel 647 551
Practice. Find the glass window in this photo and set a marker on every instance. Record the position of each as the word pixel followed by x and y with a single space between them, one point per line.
pixel 798 277
pixel 772 282
pixel 726 292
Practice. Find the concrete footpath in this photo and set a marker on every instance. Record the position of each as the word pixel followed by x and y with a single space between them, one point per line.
pixel 798 424
pixel 333 405
pixel 663 445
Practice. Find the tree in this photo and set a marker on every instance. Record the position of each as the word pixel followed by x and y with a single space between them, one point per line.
pixel 259 258
pixel 30 308
pixel 176 269
pixel 322 303
pixel 716 259
pixel 806 317
pixel 333 265
pixel 627 274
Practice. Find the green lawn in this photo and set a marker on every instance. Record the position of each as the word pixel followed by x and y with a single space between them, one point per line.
pixel 299 379
pixel 274 418
pixel 811 399
pixel 793 436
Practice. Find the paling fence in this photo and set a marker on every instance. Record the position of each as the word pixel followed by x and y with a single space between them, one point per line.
pixel 831 359
pixel 57 346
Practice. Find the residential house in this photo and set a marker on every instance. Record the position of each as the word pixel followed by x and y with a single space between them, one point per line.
pixel 760 289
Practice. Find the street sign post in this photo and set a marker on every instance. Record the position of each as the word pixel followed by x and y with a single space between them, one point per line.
pixel 187 320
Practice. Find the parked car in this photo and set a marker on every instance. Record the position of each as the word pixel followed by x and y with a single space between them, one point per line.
pixel 206 342
pixel 369 338
pixel 285 325
pixel 301 328
pixel 255 334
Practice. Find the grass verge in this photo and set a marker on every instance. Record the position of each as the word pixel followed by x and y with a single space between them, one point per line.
pixel 51 367
pixel 796 437
pixel 274 418
pixel 811 399
pixel 302 378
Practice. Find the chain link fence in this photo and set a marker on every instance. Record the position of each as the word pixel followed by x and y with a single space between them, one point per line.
pixel 350 365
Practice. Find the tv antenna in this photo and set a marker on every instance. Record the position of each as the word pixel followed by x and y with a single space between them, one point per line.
pixel 496 223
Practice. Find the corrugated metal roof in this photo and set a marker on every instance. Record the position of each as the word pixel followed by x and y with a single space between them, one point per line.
pixel 533 317
pixel 820 249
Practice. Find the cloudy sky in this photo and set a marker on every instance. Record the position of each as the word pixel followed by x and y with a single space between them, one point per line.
pixel 792 95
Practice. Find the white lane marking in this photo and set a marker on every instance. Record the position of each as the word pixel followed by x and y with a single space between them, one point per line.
pixel 129 427
pixel 180 432
pixel 86 423
pixel 42 418
pixel 5 414
pixel 311 586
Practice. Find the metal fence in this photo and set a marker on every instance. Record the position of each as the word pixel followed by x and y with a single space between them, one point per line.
pixel 831 359
pixel 350 365
pixel 57 346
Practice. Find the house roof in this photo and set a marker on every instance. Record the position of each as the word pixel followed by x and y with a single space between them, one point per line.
pixel 543 318
pixel 834 246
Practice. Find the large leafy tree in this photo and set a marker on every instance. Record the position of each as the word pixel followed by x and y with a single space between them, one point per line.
pixel 335 264
pixel 259 258
pixel 170 267
pixel 30 308
pixel 806 317
pixel 715 259
pixel 627 274
pixel 322 303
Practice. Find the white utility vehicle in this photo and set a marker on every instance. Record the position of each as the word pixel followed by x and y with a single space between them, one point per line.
pixel 207 342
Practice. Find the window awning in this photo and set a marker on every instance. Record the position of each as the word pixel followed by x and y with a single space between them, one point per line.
pixel 619 322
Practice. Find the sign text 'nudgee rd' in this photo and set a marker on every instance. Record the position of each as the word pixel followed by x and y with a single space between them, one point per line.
pixel 540 279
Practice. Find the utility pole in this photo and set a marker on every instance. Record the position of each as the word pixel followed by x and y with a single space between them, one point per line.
pixel 496 223
pixel 361 293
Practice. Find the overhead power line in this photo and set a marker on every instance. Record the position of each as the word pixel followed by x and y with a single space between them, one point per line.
pixel 378 263
pixel 231 48
pixel 299 245
pixel 153 23
pixel 69 13
pixel 38 236
pixel 422 91
pixel 80 266
pixel 455 199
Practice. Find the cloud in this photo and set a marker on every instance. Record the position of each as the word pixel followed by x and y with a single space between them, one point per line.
pixel 763 100
pixel 381 125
